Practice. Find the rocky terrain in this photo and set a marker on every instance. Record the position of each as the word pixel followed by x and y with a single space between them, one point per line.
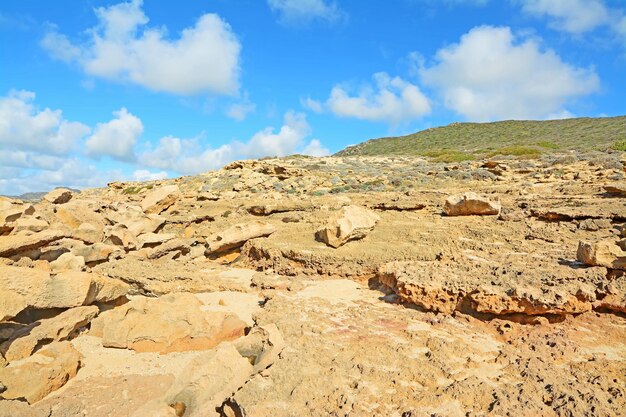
pixel 338 286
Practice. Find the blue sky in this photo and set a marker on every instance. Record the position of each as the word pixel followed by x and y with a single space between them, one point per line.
pixel 97 91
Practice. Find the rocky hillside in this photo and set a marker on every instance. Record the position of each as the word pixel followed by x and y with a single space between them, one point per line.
pixel 467 141
pixel 339 286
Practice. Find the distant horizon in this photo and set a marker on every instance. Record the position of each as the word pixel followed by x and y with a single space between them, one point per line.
pixel 132 91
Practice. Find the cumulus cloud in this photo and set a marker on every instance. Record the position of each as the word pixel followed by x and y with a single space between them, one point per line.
pixel 23 126
pixel 145 175
pixel 391 100
pixel 115 138
pixel 204 58
pixel 574 16
pixel 72 173
pixel 190 156
pixel 315 148
pixel 240 110
pixel 299 11
pixel 492 75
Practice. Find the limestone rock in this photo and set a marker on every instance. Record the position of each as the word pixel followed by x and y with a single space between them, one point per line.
pixel 24 341
pixel 203 385
pixel 160 199
pixel 174 245
pixel 98 252
pixel 153 239
pixel 68 261
pixel 119 235
pixel 261 346
pixel 59 196
pixel 470 203
pixel 617 189
pixel 135 219
pixel 605 253
pixel 53 366
pixel 350 223
pixel 13 245
pixel 11 304
pixel 237 235
pixel 29 224
pixel 67 289
pixel 172 323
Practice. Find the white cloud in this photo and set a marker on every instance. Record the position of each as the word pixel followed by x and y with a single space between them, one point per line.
pixel 71 173
pixel 298 11
pixel 189 156
pixel 145 175
pixel 240 110
pixel 203 59
pixel 115 138
pixel 574 16
pixel 313 105
pixel 23 126
pixel 391 100
pixel 315 148
pixel 490 75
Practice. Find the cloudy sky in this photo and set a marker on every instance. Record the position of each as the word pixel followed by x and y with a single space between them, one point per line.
pixel 94 91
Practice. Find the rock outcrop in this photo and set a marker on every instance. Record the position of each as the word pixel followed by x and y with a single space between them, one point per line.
pixel 172 323
pixel 350 223
pixel 469 204
pixel 160 199
pixel 235 236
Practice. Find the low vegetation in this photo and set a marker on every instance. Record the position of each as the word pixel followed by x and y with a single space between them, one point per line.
pixel 525 139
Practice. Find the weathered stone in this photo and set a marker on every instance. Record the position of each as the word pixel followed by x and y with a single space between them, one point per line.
pixel 606 253
pixel 172 323
pixel 26 340
pixel 98 252
pixel 29 224
pixel 151 239
pixel 235 236
pixel 59 196
pixel 119 235
pixel 68 261
pixel 350 223
pixel 53 366
pixel 11 304
pixel 617 189
pixel 180 245
pixel 67 289
pixel 468 204
pixel 261 346
pixel 13 245
pixel 160 199
pixel 203 385
pixel 135 219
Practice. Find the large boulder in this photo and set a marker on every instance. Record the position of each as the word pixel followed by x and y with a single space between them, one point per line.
pixel 173 323
pixel 33 378
pixel 68 261
pixel 350 223
pixel 28 287
pixel 235 236
pixel 160 199
pixel 14 245
pixel 59 196
pixel 120 235
pixel 203 385
pixel 468 204
pixel 97 253
pixel 606 253
pixel 11 211
pixel 24 341
pixel 135 219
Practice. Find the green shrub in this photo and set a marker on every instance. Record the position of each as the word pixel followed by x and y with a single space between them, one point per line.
pixel 520 151
pixel 619 145
pixel 547 144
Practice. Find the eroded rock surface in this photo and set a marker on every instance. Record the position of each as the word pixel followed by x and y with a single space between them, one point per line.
pixel 215 295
